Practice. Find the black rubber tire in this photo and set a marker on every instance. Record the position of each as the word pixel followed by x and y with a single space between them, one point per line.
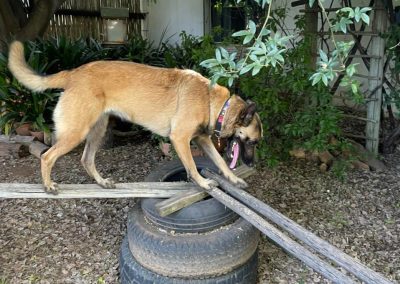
pixel 131 272
pixel 202 216
pixel 194 256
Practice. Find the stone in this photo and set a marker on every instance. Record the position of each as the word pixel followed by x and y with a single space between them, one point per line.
pixel 326 157
pixel 360 165
pixel 298 153
pixel 323 167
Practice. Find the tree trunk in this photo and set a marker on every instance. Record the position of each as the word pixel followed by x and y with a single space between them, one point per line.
pixel 38 20
pixel 15 22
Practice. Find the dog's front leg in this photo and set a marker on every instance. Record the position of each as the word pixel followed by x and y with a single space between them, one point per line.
pixel 205 143
pixel 182 147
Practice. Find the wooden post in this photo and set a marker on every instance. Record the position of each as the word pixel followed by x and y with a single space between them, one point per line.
pixel 379 23
pixel 347 262
pixel 311 29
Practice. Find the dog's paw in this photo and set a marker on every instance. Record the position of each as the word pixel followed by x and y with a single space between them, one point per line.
pixel 238 181
pixel 107 183
pixel 241 183
pixel 51 188
pixel 207 184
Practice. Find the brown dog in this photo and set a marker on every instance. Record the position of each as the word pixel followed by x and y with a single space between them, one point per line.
pixel 176 103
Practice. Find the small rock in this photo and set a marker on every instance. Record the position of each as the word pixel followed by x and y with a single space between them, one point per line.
pixel 360 165
pixel 323 167
pixel 326 157
pixel 298 153
pixel 313 156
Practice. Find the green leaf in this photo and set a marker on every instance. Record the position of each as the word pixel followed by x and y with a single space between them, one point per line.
pixel 365 9
pixel 246 68
pixel 324 79
pixel 342 25
pixel 323 55
pixel 241 33
pixel 344 82
pixel 247 39
pixel 351 69
pixel 218 55
pixel 224 53
pixel 230 81
pixel 354 88
pixel 256 70
pixel 264 32
pixel 252 27
pixel 316 78
pixel 365 18
pixel 348 10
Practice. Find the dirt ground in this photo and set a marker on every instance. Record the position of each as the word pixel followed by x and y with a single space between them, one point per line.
pixel 77 241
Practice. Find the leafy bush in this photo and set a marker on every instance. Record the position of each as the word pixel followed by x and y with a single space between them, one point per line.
pixel 18 104
pixel 294 112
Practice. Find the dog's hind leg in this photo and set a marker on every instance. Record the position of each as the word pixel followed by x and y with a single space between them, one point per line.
pixel 208 147
pixel 93 142
pixel 65 143
pixel 73 119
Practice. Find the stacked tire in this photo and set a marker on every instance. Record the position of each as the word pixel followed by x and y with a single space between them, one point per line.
pixel 203 243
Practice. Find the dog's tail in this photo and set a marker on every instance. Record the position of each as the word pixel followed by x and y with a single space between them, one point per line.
pixel 28 77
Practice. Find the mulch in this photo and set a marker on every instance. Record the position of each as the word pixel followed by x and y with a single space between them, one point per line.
pixel 77 241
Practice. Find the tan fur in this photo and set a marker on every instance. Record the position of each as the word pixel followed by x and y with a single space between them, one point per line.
pixel 170 102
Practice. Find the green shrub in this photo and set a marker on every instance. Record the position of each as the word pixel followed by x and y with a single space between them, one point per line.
pixel 294 113
pixel 18 104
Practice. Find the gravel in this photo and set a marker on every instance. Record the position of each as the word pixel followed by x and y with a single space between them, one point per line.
pixel 77 241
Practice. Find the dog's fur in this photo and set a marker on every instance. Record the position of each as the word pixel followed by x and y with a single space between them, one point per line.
pixel 176 103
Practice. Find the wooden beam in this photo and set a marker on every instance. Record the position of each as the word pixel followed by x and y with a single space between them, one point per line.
pixel 347 262
pixel 24 140
pixel 123 190
pixel 184 199
pixel 37 148
pixel 94 13
pixel 280 238
pixel 13 149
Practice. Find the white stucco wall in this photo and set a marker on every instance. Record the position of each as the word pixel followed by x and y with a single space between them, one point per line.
pixel 173 17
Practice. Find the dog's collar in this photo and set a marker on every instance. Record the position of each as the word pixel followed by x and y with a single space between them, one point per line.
pixel 220 118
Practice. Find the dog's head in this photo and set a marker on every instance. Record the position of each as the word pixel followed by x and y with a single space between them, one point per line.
pixel 246 129
pixel 248 132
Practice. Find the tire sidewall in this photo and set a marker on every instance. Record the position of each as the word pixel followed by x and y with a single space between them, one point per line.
pixel 202 216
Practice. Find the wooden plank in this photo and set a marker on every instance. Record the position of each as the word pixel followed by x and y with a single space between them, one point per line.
pixel 184 199
pixel 123 190
pixel 24 140
pixel 13 149
pixel 347 262
pixel 179 201
pixel 280 238
pixel 37 148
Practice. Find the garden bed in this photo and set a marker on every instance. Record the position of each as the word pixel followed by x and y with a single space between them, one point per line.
pixel 77 241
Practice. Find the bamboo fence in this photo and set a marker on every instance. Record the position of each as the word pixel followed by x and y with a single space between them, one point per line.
pixel 81 26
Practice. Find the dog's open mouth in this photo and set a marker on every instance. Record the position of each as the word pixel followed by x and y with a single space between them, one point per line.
pixel 233 152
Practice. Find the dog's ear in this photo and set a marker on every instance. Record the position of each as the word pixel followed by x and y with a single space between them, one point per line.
pixel 248 113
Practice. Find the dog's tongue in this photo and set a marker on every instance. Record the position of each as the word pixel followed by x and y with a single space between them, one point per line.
pixel 235 156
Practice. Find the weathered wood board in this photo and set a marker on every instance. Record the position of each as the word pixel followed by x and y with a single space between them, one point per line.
pixel 123 190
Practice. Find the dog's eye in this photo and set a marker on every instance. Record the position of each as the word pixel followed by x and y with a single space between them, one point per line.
pixel 251 142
